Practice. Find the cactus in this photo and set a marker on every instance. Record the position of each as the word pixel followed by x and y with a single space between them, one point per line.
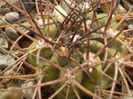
pixel 68 49
pixel 62 59
pixel 97 77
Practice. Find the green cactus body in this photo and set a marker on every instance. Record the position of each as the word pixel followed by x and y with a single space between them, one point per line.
pixel 96 46
pixel 115 44
pixel 110 72
pixel 52 29
pixel 45 53
pixel 89 15
pixel 62 60
pixel 111 52
pixel 51 74
pixel 49 24
pixel 78 77
pixel 100 39
pixel 77 57
pixel 102 18
pixel 96 76
pixel 82 48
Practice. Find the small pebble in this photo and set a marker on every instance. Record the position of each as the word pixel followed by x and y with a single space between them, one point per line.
pixel 130 26
pixel 5 61
pixel 12 33
pixel 22 29
pixel 12 16
pixel 3 43
pixel 28 93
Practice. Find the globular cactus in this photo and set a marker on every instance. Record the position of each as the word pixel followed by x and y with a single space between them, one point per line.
pixel 69 49
pixel 78 49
